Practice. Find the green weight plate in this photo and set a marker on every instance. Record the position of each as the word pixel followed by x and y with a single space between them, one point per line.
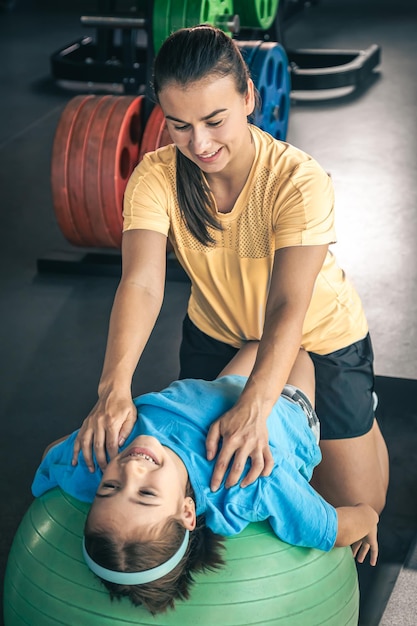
pixel 171 15
pixel 178 14
pixel 160 22
pixel 209 11
pixel 213 9
pixel 256 13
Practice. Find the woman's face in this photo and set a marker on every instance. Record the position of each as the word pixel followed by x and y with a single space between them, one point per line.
pixel 207 121
pixel 141 487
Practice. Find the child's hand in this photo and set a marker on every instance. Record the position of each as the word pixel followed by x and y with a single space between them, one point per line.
pixel 368 543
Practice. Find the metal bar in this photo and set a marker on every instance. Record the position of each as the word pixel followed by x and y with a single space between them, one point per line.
pixel 113 21
pixel 329 69
pixel 231 22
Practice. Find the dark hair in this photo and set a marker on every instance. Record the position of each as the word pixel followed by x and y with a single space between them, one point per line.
pixel 186 56
pixel 204 552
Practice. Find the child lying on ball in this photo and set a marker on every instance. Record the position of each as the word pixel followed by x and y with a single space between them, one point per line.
pixel 154 519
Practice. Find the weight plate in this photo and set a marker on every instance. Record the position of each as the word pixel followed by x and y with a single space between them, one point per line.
pixel 171 15
pixel 270 73
pixel 59 167
pixel 256 13
pixel 76 173
pixel 120 155
pixel 211 10
pixel 248 50
pixel 178 14
pixel 161 24
pixel 101 222
pixel 155 134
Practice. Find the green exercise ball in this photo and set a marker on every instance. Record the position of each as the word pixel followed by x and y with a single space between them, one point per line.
pixel 265 581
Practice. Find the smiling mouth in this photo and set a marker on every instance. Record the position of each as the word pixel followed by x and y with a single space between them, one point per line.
pixel 208 156
pixel 141 453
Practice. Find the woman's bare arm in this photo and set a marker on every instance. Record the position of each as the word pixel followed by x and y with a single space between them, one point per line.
pixel 243 429
pixel 136 307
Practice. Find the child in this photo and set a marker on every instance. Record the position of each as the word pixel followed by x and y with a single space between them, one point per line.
pixel 154 519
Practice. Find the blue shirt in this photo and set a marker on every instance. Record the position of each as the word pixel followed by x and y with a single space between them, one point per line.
pixel 180 417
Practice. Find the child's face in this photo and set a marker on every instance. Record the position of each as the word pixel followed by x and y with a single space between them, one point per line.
pixel 141 487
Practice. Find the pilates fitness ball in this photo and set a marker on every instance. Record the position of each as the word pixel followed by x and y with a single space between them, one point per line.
pixel 265 582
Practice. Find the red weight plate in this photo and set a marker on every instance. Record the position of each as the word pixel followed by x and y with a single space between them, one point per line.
pixel 77 171
pixel 59 167
pixel 103 235
pixel 156 134
pixel 120 155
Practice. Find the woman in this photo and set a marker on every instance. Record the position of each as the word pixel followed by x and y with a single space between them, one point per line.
pixel 250 219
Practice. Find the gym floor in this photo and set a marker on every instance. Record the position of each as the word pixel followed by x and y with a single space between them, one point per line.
pixel 53 326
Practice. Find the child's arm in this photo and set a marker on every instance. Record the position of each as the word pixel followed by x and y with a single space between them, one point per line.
pixel 357 527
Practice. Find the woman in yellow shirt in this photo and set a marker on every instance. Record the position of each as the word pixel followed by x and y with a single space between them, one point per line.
pixel 250 219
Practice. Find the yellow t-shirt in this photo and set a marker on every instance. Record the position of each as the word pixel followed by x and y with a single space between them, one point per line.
pixel 287 201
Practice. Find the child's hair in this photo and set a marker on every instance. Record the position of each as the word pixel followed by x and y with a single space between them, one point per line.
pixel 187 56
pixel 204 552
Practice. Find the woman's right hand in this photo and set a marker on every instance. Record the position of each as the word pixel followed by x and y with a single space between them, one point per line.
pixel 105 429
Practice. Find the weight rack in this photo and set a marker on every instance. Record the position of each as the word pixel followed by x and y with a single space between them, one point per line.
pixel 87 196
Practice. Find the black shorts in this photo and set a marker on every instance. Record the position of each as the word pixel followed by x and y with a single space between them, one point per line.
pixel 344 379
pixel 202 356
pixel 344 390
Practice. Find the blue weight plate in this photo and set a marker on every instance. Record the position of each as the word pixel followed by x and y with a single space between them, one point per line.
pixel 270 73
pixel 248 49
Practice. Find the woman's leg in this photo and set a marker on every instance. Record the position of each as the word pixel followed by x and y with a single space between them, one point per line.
pixel 355 458
pixel 354 470
pixel 203 357
pixel 301 375
pixel 243 361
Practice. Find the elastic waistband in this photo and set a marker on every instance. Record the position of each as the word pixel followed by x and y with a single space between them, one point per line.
pixel 296 396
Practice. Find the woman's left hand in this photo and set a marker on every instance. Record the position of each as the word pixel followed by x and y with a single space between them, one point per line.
pixel 243 436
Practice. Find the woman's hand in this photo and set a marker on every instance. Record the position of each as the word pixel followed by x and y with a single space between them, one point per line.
pixel 106 428
pixel 243 436
pixel 369 543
